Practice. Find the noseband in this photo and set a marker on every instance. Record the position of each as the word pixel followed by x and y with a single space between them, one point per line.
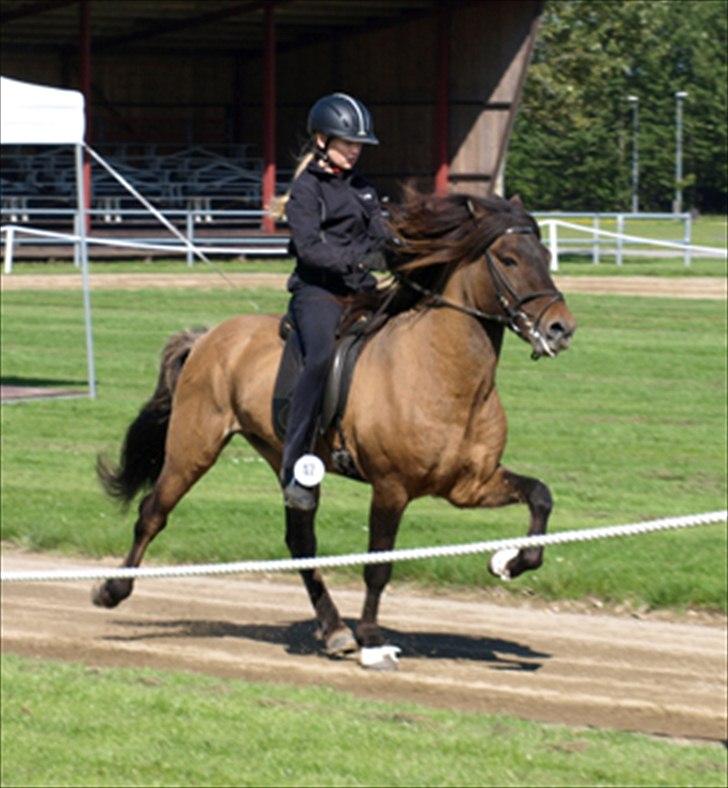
pixel 507 297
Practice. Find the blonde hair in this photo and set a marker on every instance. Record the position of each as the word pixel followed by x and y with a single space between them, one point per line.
pixel 277 206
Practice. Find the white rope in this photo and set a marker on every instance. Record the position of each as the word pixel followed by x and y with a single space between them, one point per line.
pixel 297 564
pixel 636 239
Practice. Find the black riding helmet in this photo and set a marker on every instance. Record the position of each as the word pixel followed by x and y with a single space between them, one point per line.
pixel 340 115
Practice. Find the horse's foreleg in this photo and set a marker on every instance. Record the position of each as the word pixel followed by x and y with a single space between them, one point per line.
pixel 504 488
pixel 301 542
pixel 385 515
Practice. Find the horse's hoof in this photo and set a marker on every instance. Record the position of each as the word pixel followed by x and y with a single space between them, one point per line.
pixel 109 593
pixel 498 564
pixel 340 643
pixel 384 658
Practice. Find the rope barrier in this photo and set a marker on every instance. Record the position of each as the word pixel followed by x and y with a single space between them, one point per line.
pixel 412 554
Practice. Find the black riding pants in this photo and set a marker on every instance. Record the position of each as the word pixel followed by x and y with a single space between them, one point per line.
pixel 316 314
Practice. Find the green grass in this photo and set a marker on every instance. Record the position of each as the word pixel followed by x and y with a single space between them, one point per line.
pixel 276 265
pixel 628 425
pixel 572 265
pixel 66 724
pixel 582 265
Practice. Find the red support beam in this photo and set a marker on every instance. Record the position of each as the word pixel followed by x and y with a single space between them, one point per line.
pixel 269 114
pixel 442 101
pixel 84 70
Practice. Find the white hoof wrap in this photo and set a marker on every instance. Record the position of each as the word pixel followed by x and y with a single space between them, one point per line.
pixel 499 563
pixel 380 657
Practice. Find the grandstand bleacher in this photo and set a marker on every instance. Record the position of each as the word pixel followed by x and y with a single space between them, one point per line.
pixel 37 185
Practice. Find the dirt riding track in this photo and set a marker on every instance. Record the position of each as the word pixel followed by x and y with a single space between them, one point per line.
pixel 605 671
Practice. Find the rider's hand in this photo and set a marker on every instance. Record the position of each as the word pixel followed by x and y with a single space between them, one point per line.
pixel 374 261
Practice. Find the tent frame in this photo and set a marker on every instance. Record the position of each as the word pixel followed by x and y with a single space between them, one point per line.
pixel 83 260
pixel 81 243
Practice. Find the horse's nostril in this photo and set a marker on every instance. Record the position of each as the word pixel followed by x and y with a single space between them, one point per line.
pixel 556 330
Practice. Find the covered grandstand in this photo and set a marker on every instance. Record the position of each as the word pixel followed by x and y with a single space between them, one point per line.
pixel 201 104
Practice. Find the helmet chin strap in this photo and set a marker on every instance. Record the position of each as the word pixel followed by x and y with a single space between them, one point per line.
pixel 322 155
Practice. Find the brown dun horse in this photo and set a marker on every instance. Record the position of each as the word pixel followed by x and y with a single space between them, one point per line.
pixel 423 415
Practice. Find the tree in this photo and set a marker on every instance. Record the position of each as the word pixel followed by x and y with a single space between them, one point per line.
pixel 572 142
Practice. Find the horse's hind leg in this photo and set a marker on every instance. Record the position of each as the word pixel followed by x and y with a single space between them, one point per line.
pixel 186 460
pixel 506 487
pixel 301 541
pixel 384 517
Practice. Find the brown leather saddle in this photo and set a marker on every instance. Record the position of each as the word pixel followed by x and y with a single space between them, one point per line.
pixel 338 382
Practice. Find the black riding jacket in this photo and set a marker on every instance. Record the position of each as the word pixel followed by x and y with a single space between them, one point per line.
pixel 335 220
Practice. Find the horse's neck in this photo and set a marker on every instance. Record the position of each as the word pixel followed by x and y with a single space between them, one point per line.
pixel 464 349
pixel 489 333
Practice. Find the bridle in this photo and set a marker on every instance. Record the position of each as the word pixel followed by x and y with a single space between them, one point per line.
pixel 515 318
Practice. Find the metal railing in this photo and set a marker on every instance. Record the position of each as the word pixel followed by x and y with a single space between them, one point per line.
pixel 189 221
pixel 600 244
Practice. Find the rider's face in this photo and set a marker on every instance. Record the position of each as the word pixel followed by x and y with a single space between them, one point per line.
pixel 344 154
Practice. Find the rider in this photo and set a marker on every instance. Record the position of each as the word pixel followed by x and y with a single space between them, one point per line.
pixel 337 237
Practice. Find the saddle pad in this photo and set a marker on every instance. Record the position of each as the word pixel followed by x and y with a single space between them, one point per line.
pixel 338 379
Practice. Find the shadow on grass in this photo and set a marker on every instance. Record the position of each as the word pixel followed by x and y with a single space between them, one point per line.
pixel 7 380
pixel 299 638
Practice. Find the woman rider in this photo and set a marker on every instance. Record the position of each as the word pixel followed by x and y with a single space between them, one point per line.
pixel 337 234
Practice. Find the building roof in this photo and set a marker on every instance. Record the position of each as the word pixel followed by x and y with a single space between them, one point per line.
pixel 231 25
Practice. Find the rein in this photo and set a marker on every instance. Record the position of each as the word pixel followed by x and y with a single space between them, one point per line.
pixel 507 297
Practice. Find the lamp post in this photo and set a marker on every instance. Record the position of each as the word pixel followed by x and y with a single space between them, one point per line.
pixel 680 95
pixel 634 103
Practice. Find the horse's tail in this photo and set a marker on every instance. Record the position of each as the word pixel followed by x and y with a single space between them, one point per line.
pixel 142 453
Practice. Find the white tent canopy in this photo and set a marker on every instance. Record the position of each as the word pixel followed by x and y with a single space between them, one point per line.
pixel 40 115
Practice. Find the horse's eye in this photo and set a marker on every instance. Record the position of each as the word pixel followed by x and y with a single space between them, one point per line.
pixel 509 261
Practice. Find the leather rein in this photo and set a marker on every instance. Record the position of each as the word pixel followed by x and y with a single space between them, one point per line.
pixel 507 297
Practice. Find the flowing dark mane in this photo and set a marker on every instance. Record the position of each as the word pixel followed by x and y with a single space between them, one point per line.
pixel 435 235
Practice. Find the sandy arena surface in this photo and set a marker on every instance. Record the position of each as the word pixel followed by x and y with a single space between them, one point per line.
pixel 688 287
pixel 599 670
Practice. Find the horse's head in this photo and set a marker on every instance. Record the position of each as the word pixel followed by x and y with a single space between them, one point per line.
pixel 484 257
pixel 512 277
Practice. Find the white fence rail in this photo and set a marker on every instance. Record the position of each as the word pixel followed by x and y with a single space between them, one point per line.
pixel 417 553
pixel 619 240
pixel 275 246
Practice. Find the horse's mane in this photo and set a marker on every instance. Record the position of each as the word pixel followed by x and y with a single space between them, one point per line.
pixel 435 235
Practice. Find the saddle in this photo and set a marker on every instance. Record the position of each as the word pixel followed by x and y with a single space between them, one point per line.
pixel 338 381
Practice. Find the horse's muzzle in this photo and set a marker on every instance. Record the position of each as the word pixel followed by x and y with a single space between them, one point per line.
pixel 555 337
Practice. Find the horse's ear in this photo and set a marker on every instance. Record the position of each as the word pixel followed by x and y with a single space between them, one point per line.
pixel 516 200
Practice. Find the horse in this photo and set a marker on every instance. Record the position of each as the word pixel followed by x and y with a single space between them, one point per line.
pixel 423 415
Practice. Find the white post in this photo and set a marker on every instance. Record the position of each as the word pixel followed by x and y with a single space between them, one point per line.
pixel 595 244
pixel 77 222
pixel 687 236
pixel 679 96
pixel 9 248
pixel 190 231
pixel 620 232
pixel 83 255
pixel 554 245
